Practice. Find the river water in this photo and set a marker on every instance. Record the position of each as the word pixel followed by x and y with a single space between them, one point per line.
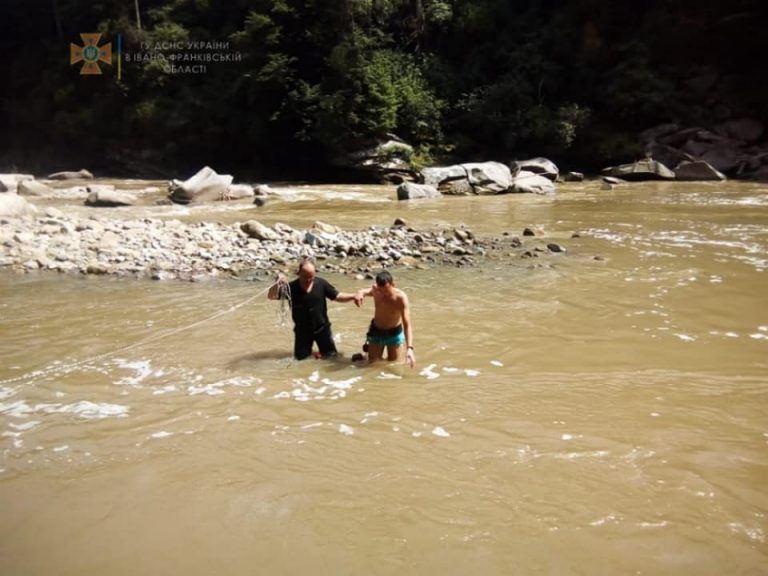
pixel 568 414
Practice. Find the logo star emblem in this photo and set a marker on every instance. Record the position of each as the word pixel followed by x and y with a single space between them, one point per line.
pixel 90 54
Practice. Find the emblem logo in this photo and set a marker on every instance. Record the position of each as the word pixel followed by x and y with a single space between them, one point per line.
pixel 90 54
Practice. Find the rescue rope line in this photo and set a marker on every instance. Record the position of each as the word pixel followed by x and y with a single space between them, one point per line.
pixel 165 334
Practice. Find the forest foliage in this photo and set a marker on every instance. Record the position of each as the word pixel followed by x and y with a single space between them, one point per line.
pixel 311 80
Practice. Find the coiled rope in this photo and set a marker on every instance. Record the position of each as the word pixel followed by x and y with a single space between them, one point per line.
pixel 284 295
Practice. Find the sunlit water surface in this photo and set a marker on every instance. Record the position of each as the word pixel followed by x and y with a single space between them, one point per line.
pixel 568 415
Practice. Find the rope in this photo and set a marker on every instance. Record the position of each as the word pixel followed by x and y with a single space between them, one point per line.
pixel 156 337
pixel 286 304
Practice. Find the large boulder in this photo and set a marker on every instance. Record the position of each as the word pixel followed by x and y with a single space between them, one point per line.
pixel 386 158
pixel 641 170
pixel 724 156
pixel 10 182
pixel 538 165
pixel 14 205
pixel 324 227
pixel 107 197
pixel 79 175
pixel 730 147
pixel 488 177
pixel 456 188
pixel 698 170
pixel 33 188
pixel 411 191
pixel 485 178
pixel 240 191
pixel 666 154
pixel 437 175
pixel 529 182
pixel 205 186
pixel 573 177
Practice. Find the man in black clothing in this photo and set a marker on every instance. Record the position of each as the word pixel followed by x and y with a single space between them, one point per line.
pixel 308 309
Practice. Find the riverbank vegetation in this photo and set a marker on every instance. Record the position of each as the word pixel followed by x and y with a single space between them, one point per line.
pixel 284 88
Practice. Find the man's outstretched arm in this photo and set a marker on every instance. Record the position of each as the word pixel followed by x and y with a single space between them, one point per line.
pixel 349 297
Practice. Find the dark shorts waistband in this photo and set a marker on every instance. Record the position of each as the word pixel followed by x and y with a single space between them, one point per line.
pixel 377 332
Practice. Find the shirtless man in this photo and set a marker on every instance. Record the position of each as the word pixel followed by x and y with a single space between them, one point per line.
pixel 391 324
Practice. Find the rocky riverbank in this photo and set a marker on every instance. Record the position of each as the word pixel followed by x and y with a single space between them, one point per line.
pixel 171 249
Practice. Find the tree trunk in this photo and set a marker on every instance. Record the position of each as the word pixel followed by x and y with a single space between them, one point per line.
pixel 57 19
pixel 417 13
pixel 138 15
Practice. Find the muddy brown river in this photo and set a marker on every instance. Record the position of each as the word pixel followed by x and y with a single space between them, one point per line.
pixel 567 415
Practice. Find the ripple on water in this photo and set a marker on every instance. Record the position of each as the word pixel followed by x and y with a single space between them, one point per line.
pixel 83 409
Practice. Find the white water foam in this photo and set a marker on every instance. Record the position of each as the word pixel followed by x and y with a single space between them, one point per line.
pixel 84 409
pixel 342 384
pixel 686 337
pixel 25 426
pixel 141 368
pixel 429 372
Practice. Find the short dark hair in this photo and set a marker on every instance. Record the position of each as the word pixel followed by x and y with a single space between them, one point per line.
pixel 383 278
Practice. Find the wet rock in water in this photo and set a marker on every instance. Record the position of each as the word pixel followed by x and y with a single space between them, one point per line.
pixel 647 169
pixel 79 175
pixel 573 177
pixel 33 188
pixel 108 197
pixel 489 177
pixel 96 268
pixel 205 186
pixel 528 232
pixel 411 191
pixel 10 182
pixel 552 247
pixel 541 166
pixel 610 182
pixel 698 171
pixel 528 182
pixel 239 191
